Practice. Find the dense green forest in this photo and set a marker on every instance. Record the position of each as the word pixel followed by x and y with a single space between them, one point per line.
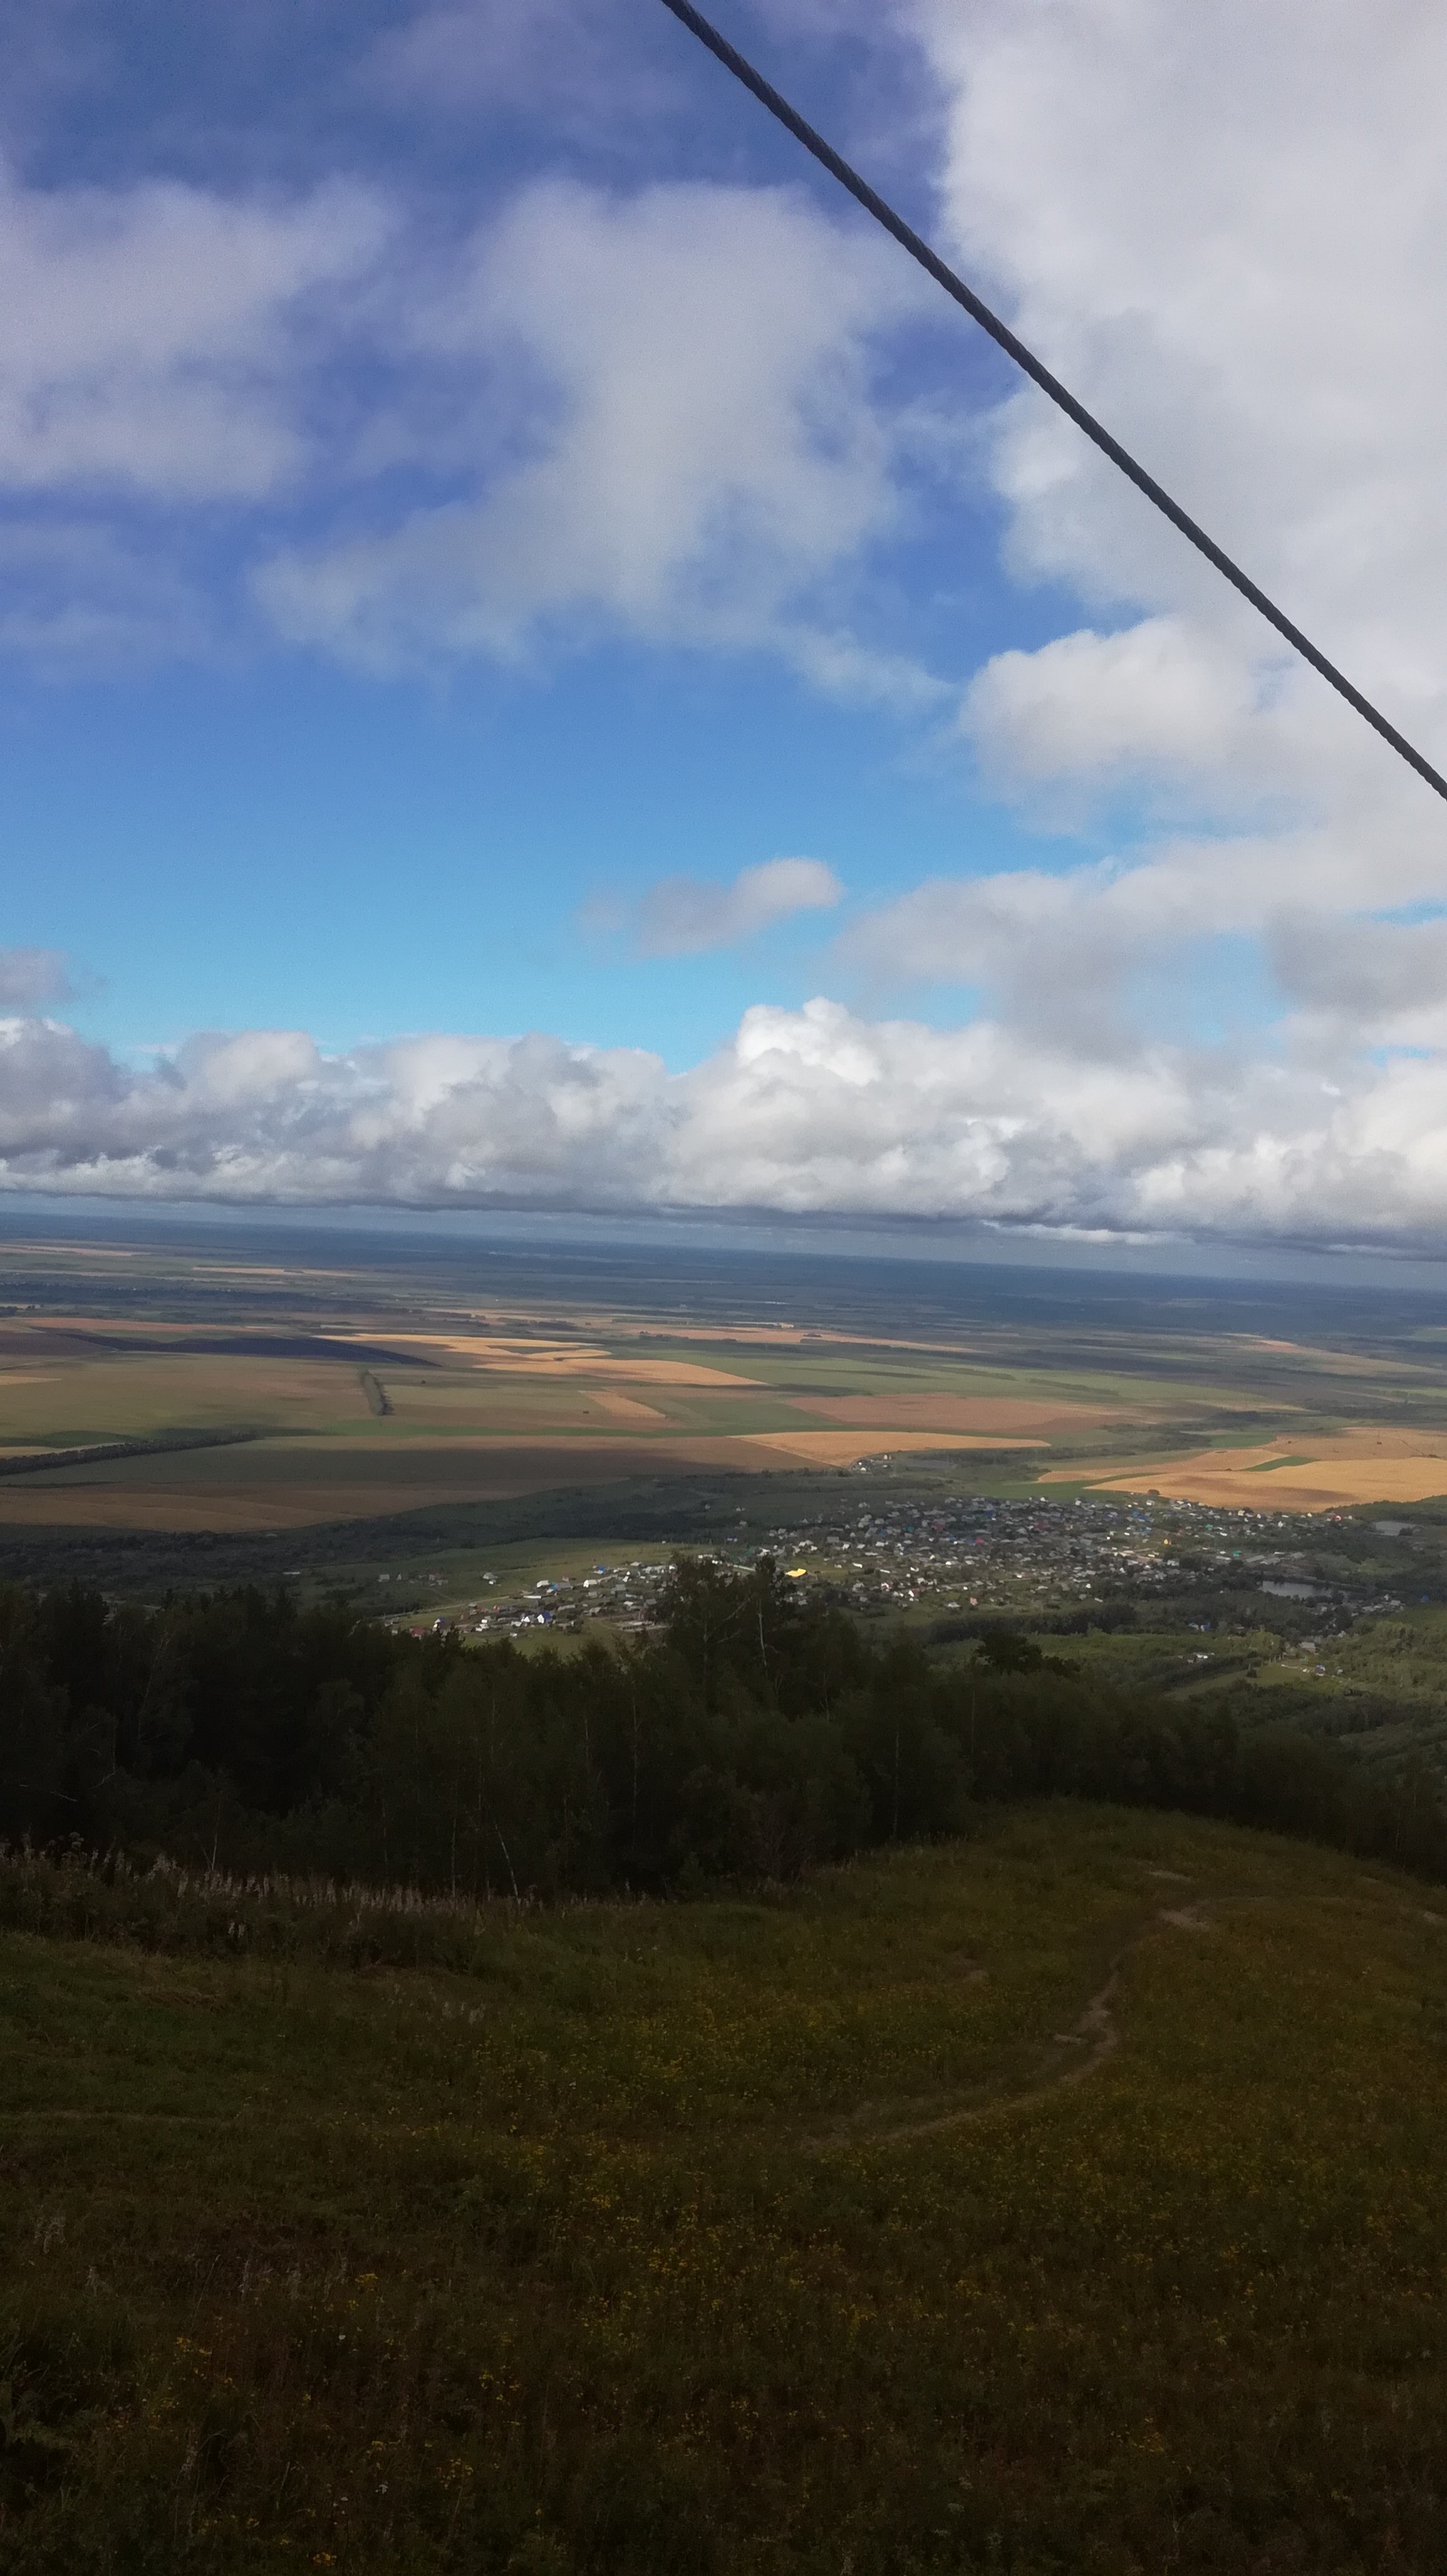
pixel 750 1736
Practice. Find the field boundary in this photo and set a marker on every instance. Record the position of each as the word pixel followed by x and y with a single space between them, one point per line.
pixel 153 1445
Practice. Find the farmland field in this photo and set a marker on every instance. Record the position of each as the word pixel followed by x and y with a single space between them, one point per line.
pixel 1065 2199
pixel 339 1383
pixel 1371 1463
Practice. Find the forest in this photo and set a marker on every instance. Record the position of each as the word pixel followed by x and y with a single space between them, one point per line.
pixel 748 1737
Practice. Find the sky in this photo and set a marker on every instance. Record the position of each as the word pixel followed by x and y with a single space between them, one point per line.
pixel 543 667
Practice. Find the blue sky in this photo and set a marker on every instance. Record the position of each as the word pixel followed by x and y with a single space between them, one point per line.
pixel 294 846
pixel 477 511
pixel 246 835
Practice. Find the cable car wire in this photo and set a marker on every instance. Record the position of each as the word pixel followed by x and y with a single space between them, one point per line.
pixel 1060 394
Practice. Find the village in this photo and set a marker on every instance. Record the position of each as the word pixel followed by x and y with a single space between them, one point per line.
pixel 1031 1558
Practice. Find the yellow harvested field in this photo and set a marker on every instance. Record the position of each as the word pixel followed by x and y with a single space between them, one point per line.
pixel 626 1408
pixel 377 1404
pixel 841 1448
pixel 557 1359
pixel 1372 1464
pixel 72 1338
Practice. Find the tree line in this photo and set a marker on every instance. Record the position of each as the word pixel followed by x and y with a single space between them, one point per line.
pixel 750 1735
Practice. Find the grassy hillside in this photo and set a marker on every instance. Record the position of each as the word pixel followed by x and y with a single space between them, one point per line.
pixel 1067 2199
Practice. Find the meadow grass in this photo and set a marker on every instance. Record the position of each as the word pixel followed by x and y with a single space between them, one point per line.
pixel 616 2244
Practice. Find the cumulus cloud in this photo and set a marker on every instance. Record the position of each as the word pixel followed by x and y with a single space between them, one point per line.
pixel 806 1111
pixel 1379 983
pixel 32 975
pixel 473 57
pixel 700 453
pixel 265 1115
pixel 1064 940
pixel 468 54
pixel 160 347
pixel 1227 244
pixel 685 916
pixel 1156 703
pixel 149 336
pixel 659 414
pixel 75 596
pixel 1226 241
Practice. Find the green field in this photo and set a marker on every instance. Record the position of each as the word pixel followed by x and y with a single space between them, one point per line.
pixel 736 2236
pixel 376 1377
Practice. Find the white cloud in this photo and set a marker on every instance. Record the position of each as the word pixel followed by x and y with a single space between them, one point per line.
pixel 700 458
pixel 1157 702
pixel 1064 940
pixel 468 54
pixel 266 1115
pixel 1377 983
pixel 685 916
pixel 658 415
pixel 76 596
pixel 149 336
pixel 470 58
pixel 32 975
pixel 806 1111
pixel 1227 241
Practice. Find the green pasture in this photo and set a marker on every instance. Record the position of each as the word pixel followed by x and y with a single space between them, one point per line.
pixel 744 2235
pixel 1167 1657
pixel 1384 1684
pixel 865 1369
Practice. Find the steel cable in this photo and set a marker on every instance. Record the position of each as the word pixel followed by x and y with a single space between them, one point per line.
pixel 1060 394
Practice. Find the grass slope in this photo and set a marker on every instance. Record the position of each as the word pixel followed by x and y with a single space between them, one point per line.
pixel 738 2236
